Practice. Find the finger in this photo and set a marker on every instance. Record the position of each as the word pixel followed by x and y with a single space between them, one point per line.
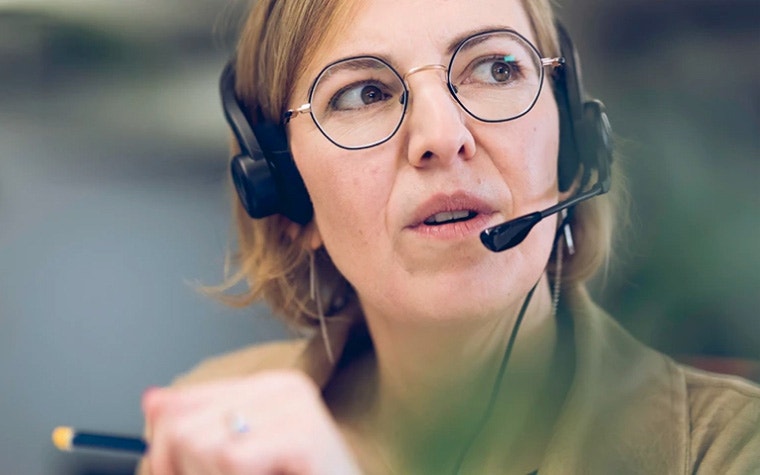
pixel 190 428
pixel 286 452
pixel 264 455
pixel 161 400
pixel 188 443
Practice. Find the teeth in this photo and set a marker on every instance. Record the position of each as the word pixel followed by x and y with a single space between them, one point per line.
pixel 447 216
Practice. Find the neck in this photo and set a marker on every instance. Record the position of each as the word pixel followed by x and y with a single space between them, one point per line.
pixel 431 385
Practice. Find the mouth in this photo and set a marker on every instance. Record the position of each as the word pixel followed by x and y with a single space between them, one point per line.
pixel 450 217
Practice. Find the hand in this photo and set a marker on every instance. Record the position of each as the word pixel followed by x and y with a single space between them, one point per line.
pixel 270 423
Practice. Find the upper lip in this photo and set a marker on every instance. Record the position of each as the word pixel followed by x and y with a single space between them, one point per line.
pixel 442 202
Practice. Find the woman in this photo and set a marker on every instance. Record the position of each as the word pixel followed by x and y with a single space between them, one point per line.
pixel 414 126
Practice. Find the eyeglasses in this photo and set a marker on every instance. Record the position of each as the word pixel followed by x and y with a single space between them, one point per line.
pixel 360 102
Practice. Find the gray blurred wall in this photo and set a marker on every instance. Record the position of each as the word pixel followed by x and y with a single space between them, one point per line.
pixel 113 198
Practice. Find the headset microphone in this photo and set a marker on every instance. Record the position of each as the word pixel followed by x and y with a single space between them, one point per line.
pixel 511 233
pixel 585 144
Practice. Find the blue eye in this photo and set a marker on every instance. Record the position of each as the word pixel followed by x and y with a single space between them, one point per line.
pixel 358 96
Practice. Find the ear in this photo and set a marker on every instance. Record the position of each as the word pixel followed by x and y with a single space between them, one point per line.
pixel 315 238
pixel 571 190
pixel 308 235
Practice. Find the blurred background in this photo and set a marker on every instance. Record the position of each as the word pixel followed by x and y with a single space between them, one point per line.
pixel 114 199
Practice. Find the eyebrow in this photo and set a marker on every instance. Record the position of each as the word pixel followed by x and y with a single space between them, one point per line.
pixel 364 62
pixel 357 63
pixel 454 44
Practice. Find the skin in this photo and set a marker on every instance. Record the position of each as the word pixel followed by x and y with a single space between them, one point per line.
pixel 439 149
pixel 438 305
pixel 439 310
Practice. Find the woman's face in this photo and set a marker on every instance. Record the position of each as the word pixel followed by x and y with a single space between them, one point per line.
pixel 371 205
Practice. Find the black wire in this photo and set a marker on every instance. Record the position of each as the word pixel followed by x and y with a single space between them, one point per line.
pixel 497 383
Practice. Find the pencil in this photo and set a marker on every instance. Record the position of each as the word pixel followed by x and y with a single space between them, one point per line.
pixel 68 439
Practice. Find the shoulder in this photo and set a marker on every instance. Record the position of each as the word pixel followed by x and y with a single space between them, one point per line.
pixel 724 414
pixel 672 417
pixel 246 361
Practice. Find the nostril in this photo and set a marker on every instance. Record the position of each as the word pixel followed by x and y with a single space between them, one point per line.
pixel 428 154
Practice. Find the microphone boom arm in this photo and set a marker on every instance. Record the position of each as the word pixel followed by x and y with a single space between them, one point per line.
pixel 511 233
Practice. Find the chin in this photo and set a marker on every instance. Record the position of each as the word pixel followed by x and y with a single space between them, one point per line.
pixel 467 297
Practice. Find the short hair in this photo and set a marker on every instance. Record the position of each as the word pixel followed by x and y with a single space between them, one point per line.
pixel 277 40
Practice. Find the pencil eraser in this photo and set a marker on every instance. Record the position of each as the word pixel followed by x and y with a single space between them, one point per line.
pixel 62 438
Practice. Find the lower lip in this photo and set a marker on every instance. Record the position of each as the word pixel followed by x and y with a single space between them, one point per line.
pixel 458 230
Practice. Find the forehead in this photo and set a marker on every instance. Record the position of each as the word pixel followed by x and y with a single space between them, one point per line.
pixel 418 31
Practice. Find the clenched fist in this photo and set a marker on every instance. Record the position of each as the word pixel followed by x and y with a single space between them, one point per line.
pixel 270 423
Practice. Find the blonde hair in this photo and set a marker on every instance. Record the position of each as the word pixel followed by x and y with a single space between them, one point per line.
pixel 272 255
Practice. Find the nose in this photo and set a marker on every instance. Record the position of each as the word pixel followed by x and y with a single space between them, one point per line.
pixel 436 128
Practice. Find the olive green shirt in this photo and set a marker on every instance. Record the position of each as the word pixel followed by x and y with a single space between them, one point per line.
pixel 629 410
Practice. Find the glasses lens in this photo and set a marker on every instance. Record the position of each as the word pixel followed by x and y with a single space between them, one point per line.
pixel 496 76
pixel 358 102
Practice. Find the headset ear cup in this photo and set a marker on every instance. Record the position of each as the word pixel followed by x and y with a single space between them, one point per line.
pixel 255 186
pixel 585 133
pixel 568 160
pixel 568 95
pixel 597 139
pixel 295 197
pixel 291 196
pixel 264 174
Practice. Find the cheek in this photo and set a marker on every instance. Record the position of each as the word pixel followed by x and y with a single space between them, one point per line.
pixel 525 152
pixel 544 150
pixel 543 124
pixel 349 191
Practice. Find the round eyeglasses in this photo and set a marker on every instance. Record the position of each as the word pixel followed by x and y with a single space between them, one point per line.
pixel 360 102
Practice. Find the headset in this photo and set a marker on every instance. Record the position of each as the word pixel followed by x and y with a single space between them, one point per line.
pixel 585 132
pixel 268 182
pixel 264 173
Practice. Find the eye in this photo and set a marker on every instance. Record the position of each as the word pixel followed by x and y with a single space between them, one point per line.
pixel 358 96
pixel 495 70
pixel 500 72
